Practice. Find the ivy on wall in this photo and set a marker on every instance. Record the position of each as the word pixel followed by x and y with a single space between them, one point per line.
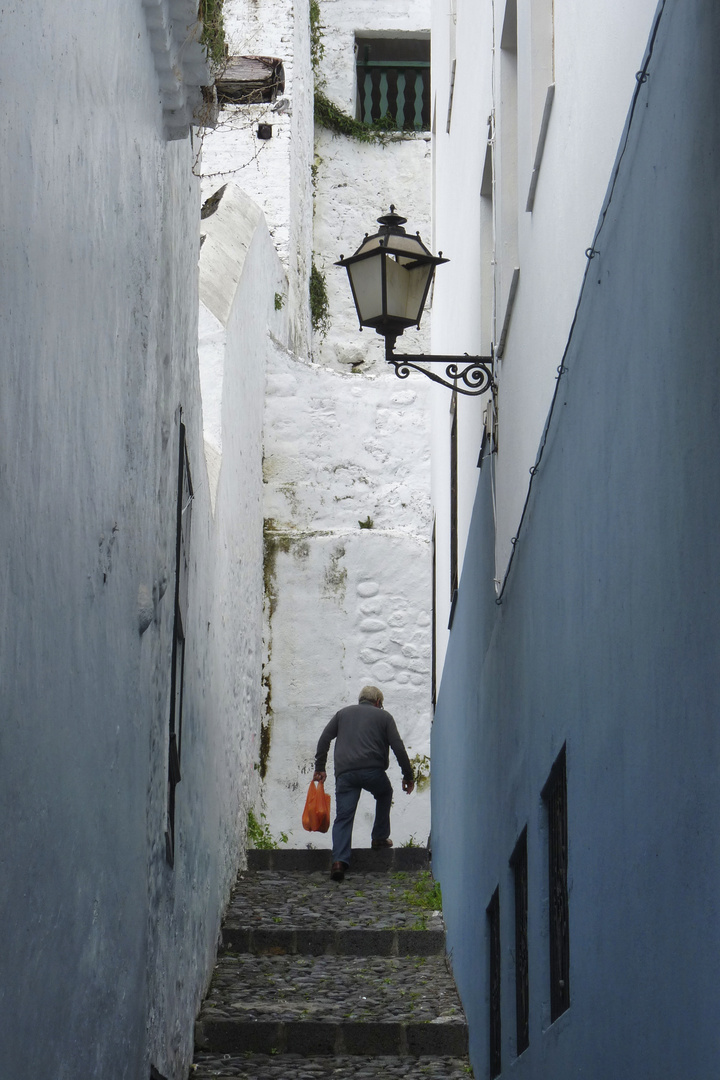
pixel 327 113
pixel 319 306
pixel 210 12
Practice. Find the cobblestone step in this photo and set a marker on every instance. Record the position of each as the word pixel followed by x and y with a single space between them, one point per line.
pixel 286 912
pixel 333 989
pixel 317 978
pixel 340 1067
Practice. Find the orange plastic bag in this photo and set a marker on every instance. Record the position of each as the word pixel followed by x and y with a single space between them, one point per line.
pixel 316 815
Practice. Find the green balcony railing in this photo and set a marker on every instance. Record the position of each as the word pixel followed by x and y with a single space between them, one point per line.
pixel 399 90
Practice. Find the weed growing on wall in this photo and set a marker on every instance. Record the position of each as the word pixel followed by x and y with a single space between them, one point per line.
pixel 210 12
pixel 319 306
pixel 421 768
pixel 259 835
pixel 317 48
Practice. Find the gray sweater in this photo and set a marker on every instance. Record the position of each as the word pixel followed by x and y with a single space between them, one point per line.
pixel 363 736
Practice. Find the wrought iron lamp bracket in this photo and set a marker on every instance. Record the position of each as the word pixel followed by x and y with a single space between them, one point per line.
pixel 469 375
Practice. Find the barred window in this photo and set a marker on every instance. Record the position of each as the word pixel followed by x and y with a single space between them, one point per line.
pixel 182 560
pixel 555 798
pixel 495 1040
pixel 393 81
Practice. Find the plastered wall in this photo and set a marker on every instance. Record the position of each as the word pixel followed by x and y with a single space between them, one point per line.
pixel 347 576
pixel 107 947
pixel 339 447
pixel 606 639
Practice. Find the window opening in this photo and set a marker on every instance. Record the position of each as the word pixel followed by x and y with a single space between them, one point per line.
pixel 250 80
pixel 454 569
pixel 433 644
pixel 495 1041
pixel 519 866
pixel 182 567
pixel 506 163
pixel 487 250
pixel 393 81
pixel 555 798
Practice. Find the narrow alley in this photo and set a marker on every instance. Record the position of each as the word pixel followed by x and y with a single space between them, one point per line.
pixel 318 979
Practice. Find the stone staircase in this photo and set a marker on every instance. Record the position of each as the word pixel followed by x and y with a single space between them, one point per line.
pixel 319 979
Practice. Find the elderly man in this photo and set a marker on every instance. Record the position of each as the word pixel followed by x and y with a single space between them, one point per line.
pixel 363 736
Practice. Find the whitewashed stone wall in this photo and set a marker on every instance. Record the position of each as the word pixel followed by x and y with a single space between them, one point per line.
pixel 274 172
pixel 356 182
pixel 346 605
pixel 339 448
pixel 240 276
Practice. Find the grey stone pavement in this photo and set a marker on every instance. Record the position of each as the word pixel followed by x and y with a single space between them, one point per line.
pixel 319 979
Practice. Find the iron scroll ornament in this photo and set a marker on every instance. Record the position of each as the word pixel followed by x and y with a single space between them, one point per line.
pixel 475 372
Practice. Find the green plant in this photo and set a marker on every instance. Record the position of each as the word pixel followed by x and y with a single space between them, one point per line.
pixel 279 301
pixel 317 47
pixel 259 835
pixel 421 768
pixel 210 12
pixel 319 306
pixel 410 842
pixel 367 523
pixel 424 895
pixel 329 116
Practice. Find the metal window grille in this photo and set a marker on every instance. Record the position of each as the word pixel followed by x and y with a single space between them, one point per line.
pixel 182 561
pixel 393 83
pixel 495 1041
pixel 555 797
pixel 519 866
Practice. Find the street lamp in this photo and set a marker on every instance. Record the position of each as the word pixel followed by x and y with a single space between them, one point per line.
pixel 390 277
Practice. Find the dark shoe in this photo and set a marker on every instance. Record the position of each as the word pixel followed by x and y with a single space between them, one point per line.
pixel 381 844
pixel 337 873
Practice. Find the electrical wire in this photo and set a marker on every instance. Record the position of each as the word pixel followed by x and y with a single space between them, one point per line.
pixel 641 78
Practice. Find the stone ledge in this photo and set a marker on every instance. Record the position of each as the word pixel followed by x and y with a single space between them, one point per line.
pixel 209 1066
pixel 318 1039
pixel 270 942
pixel 363 859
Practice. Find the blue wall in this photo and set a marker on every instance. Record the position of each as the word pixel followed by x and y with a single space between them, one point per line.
pixel 607 637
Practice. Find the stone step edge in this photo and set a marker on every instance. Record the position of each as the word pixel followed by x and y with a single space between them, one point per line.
pixel 274 942
pixel 245 1062
pixel 321 1039
pixel 364 860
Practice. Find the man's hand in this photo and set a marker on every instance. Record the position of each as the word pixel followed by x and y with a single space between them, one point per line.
pixel 408 786
pixel 320 777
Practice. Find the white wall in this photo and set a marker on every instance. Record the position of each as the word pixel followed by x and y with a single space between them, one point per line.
pixel 240 275
pixel 274 172
pixel 107 948
pixel 338 447
pixel 593 68
pixel 345 605
pixel 356 182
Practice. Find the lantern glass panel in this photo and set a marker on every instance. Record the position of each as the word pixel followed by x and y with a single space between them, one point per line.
pixel 412 245
pixel 366 278
pixel 406 288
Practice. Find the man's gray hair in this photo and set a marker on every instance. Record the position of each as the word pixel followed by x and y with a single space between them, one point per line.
pixel 372 694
